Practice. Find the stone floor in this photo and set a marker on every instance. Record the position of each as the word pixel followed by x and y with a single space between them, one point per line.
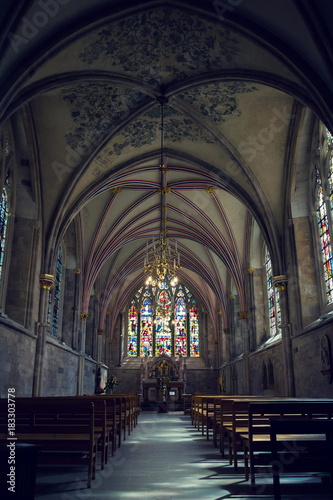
pixel 165 458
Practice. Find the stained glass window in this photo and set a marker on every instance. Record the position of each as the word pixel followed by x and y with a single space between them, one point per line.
pixel 324 236
pixel 162 324
pixel 146 330
pixel 7 147
pixel 57 293
pixel 168 323
pixel 133 331
pixel 180 326
pixel 274 310
pixel 4 213
pixel 194 332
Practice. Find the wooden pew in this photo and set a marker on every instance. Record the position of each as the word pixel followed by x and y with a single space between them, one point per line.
pixel 315 454
pixel 66 432
pixel 104 424
pixel 256 439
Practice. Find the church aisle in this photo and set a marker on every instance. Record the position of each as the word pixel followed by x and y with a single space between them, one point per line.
pixel 165 458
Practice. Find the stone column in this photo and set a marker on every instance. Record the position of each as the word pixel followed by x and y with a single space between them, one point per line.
pixel 245 336
pixel 205 332
pixel 220 345
pixel 82 350
pixel 107 354
pixel 46 282
pixel 188 335
pixel 139 336
pixel 231 327
pixel 75 337
pixel 121 338
pixel 252 308
pixel 100 334
pixel 280 282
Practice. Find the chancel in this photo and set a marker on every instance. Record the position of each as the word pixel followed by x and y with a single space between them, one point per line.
pixel 166 210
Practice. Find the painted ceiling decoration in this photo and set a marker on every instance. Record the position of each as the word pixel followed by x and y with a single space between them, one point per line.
pixel 95 108
pixel 217 100
pixel 88 84
pixel 162 45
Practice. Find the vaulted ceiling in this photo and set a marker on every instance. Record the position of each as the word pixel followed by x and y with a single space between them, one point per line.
pixel 88 78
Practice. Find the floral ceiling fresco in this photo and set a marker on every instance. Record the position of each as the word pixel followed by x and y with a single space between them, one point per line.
pixel 95 108
pixel 162 45
pixel 217 100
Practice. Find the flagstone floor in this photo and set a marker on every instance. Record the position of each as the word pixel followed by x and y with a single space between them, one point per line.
pixel 166 458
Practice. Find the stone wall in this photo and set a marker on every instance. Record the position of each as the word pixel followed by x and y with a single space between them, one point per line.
pixel 17 358
pixel 128 380
pixel 306 365
pixel 309 380
pixel 59 371
pixel 203 380
pixel 89 376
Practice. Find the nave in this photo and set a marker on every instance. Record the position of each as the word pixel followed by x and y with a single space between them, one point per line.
pixel 166 458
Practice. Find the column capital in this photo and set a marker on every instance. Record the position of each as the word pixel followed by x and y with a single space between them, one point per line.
pixel 280 282
pixel 46 281
pixel 84 316
pixel 250 270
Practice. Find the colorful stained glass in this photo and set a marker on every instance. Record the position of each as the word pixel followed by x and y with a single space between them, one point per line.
pixel 146 328
pixel 4 213
pixel 7 147
pixel 57 293
pixel 169 332
pixel 274 310
pixel 180 323
pixel 329 137
pixel 133 331
pixel 324 235
pixel 163 343
pixel 194 332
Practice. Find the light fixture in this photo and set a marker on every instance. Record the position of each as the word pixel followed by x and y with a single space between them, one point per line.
pixel 161 261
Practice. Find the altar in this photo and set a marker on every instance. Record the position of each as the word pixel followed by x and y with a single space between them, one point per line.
pixel 163 379
pixel 154 391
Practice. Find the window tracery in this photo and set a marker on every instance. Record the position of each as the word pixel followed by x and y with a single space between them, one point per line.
pixel 163 319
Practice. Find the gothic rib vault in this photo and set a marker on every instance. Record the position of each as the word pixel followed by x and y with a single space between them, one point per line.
pixel 89 93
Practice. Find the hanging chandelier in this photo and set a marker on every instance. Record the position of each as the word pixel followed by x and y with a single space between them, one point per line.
pixel 161 261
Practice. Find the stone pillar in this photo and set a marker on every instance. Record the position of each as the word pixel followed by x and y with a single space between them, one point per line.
pixel 205 332
pixel 76 302
pixel 232 332
pixel 188 335
pixel 107 359
pixel 220 345
pixel 82 350
pixel 280 282
pixel 245 336
pixel 46 282
pixel 100 337
pixel 121 338
pixel 95 321
pixel 139 336
pixel 252 323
